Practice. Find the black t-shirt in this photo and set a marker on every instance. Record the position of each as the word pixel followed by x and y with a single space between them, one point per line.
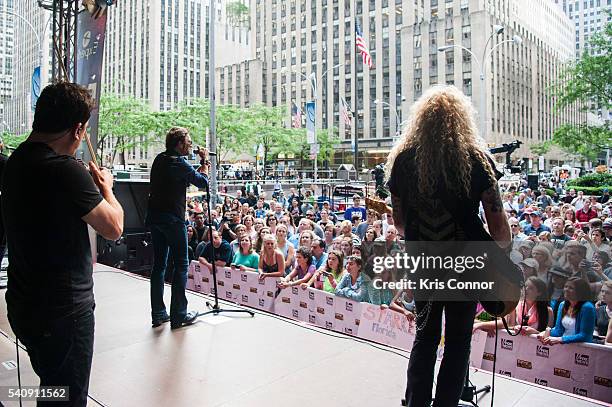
pixel 44 196
pixel 434 218
pixel 170 177
pixel 3 160
pixel 224 253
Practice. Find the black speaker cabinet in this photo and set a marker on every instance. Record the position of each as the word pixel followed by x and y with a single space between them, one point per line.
pixel 532 181
pixel 133 195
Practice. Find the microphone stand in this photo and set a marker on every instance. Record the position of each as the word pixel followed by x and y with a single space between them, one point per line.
pixel 470 391
pixel 215 309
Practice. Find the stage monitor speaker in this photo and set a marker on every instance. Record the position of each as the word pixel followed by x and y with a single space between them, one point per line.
pixel 133 195
pixel 533 181
pixel 139 253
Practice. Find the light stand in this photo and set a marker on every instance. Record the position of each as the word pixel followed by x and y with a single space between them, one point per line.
pixel 214 308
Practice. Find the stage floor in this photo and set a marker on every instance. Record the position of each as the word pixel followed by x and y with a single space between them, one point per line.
pixel 239 361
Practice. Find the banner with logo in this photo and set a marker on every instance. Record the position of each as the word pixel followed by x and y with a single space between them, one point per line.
pixel 577 368
pixel 190 277
pixel 347 316
pixel 322 311
pixel 582 369
pixel 292 302
pixel 91 35
pixel 35 87
pixel 310 123
pixel 386 326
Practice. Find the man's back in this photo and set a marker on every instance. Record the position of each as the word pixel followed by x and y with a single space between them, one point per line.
pixel 44 196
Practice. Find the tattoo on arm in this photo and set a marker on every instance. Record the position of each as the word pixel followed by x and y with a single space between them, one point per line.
pixel 491 198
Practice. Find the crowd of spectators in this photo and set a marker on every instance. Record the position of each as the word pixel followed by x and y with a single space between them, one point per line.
pixel 561 242
pixel 300 241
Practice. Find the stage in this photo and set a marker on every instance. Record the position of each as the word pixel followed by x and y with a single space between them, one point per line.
pixel 239 360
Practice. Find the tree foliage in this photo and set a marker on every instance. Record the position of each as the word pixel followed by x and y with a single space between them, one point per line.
pixel 540 148
pixel 13 140
pixel 583 140
pixel 238 14
pixel 587 81
pixel 127 122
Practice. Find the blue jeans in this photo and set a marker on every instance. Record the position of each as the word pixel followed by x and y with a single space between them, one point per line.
pixel 60 352
pixel 457 339
pixel 169 238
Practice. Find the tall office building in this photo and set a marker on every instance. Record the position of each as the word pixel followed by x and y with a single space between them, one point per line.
pixel 158 51
pixel 518 74
pixel 239 84
pixel 298 40
pixel 6 57
pixel 26 48
pixel 587 16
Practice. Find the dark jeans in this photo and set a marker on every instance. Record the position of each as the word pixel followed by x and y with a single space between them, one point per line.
pixel 457 337
pixel 60 352
pixel 169 238
pixel 2 238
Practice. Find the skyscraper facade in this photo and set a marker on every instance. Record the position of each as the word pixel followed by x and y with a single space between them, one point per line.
pixel 299 41
pixel 31 34
pixel 158 51
pixel 6 56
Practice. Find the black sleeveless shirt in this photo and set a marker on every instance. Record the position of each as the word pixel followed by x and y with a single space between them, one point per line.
pixel 444 215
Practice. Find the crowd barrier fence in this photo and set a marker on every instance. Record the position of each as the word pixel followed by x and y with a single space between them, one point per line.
pixel 583 369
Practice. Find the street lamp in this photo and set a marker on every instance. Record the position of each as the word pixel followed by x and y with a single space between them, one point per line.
pixel 315 92
pixel 497 30
pixel 395 112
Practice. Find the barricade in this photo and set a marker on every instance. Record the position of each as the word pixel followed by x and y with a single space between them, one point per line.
pixel 580 368
pixel 583 369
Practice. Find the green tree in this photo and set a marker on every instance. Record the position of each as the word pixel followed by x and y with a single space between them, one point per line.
pixel 587 81
pixel 231 124
pixel 127 122
pixel 238 14
pixel 266 128
pixel 13 140
pixel 326 138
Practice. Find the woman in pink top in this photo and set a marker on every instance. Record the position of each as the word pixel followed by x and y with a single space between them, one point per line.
pixel 533 310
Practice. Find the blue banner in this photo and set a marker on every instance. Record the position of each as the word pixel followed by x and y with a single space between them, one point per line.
pixel 310 122
pixel 35 87
pixel 90 51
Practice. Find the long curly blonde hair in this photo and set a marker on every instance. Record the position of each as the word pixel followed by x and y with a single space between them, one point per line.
pixel 443 133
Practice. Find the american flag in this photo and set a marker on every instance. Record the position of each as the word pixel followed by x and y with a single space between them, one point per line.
pixel 346 112
pixel 362 46
pixel 296 115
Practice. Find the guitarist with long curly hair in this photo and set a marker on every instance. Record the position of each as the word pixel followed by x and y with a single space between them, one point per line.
pixel 440 160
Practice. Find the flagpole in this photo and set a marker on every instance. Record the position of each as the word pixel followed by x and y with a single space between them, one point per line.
pixel 354 101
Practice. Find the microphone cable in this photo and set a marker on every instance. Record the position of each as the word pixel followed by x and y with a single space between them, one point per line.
pixel 505 324
pixel 18 369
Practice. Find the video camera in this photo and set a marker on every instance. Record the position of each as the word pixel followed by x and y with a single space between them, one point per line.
pixel 378 174
pixel 509 148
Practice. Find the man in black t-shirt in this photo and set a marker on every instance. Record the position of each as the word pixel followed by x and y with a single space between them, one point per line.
pixel 200 226
pixel 3 160
pixel 223 252
pixel 50 297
